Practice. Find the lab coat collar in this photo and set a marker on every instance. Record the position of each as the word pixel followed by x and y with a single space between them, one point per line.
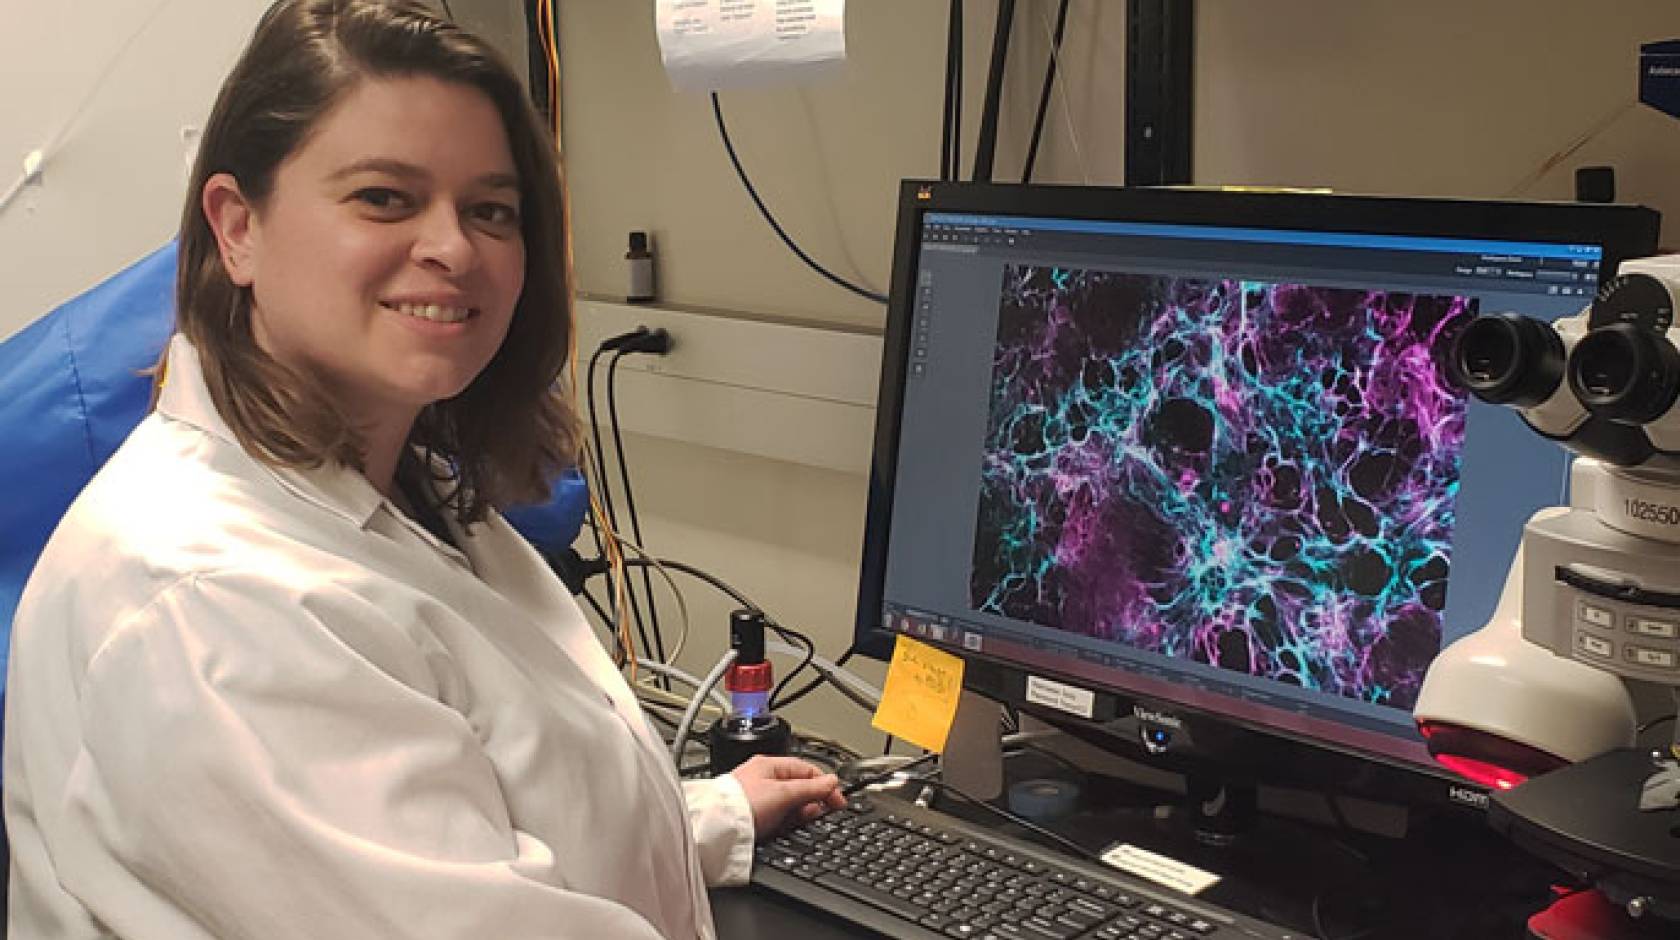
pixel 332 486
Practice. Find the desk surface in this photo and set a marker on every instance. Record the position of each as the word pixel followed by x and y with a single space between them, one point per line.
pixel 750 914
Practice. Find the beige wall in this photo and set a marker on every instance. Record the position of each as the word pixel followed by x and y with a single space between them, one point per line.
pixel 1432 97
pixel 1435 97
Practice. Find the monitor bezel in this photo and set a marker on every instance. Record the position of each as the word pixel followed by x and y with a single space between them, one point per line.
pixel 1235 746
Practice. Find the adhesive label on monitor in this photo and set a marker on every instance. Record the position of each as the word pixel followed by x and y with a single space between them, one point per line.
pixel 1168 872
pixel 1060 696
pixel 919 701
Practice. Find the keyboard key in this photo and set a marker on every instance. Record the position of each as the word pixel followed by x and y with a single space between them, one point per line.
pixel 871 896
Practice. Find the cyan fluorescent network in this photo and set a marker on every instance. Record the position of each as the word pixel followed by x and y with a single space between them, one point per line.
pixel 1260 476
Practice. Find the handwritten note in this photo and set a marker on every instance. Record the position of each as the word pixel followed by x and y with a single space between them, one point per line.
pixel 919 702
pixel 712 45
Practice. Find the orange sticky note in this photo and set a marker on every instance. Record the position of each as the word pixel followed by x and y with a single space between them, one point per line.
pixel 919 702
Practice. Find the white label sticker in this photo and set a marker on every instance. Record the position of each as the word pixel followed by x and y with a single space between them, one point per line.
pixel 1658 628
pixel 1168 872
pixel 1587 643
pixel 1060 696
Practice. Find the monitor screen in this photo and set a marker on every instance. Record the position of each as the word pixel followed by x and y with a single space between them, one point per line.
pixel 1200 449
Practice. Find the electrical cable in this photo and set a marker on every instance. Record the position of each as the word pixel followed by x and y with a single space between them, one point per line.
pixel 549 48
pixel 600 452
pixel 672 672
pixel 1587 137
pixel 786 633
pixel 687 724
pixel 1654 722
pixel 599 610
pixel 1062 95
pixel 626 606
pixel 38 158
pixel 776 700
pixel 447 11
pixel 653 697
pixel 630 502
pixel 985 149
pixel 811 686
pixel 1072 846
pixel 1044 93
pixel 676 592
pixel 862 694
pixel 871 779
pixel 1047 753
pixel 740 171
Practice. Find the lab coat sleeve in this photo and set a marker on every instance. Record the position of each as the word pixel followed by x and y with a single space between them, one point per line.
pixel 268 763
pixel 723 826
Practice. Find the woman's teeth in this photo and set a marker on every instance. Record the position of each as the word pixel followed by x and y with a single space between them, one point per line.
pixel 433 312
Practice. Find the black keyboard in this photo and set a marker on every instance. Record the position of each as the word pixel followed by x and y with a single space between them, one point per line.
pixel 897 869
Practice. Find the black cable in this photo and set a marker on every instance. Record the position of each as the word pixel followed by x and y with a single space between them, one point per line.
pixel 599 610
pixel 1647 726
pixel 950 152
pixel 740 171
pixel 595 430
pixel 1018 820
pixel 1046 752
pixel 776 700
pixel 863 783
pixel 630 503
pixel 986 147
pixel 447 11
pixel 1044 93
pixel 788 634
pixel 606 487
pixel 811 686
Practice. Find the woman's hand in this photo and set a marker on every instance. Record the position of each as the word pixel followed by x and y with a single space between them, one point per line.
pixel 784 789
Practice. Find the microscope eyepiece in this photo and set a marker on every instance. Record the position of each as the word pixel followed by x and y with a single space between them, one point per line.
pixel 1509 359
pixel 1624 373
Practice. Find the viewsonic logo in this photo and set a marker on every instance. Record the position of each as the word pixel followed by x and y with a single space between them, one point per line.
pixel 1160 718
pixel 1465 796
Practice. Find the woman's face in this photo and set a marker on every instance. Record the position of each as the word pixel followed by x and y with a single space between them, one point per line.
pixel 388 256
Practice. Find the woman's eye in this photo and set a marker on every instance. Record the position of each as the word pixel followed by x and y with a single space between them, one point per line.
pixel 378 197
pixel 497 213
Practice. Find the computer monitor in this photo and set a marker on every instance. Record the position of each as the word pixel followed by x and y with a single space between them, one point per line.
pixel 1185 468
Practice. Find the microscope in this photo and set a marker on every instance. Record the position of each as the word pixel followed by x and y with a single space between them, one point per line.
pixel 1539 705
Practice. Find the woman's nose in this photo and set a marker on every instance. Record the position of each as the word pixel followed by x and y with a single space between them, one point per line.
pixel 443 242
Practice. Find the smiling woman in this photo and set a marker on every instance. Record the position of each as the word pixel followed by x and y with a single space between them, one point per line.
pixel 387 259
pixel 283 669
pixel 299 128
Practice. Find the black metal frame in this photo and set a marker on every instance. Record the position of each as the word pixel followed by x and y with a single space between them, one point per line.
pixel 1160 59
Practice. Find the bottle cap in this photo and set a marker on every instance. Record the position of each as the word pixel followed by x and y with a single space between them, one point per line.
pixel 748 677
pixel 638 242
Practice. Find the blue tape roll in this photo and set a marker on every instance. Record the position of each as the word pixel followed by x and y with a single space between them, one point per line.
pixel 1043 800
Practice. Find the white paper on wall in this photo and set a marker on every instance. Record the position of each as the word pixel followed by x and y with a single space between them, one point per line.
pixel 712 45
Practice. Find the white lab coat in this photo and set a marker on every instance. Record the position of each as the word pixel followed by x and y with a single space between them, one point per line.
pixel 254 703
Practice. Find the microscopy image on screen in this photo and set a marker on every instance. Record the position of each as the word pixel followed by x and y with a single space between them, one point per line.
pixel 1259 476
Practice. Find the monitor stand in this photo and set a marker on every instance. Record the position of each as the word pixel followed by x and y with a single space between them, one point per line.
pixel 1220 812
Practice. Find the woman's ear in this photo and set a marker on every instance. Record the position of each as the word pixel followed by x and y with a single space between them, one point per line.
pixel 233 220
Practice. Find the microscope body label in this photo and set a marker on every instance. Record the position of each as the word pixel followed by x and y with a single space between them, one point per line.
pixel 1639 507
pixel 1662 514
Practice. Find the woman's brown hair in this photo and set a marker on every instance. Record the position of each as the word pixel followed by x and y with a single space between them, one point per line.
pixel 511 431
